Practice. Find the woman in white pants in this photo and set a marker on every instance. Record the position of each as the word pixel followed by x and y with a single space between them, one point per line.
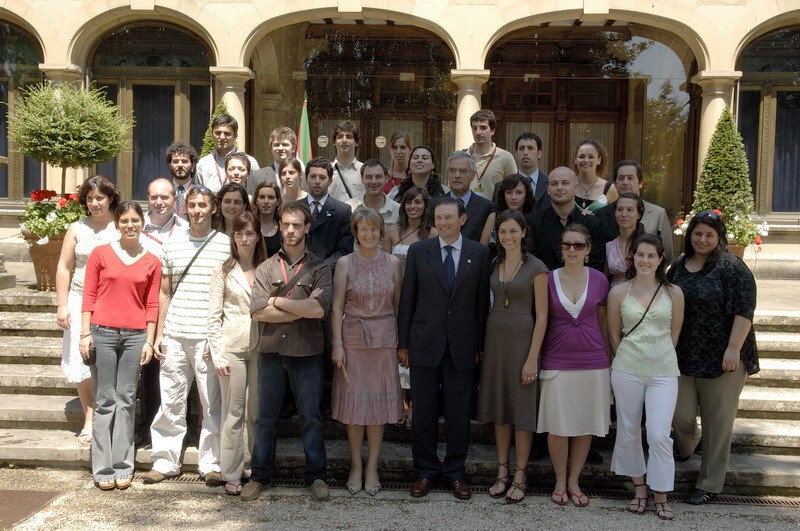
pixel 645 315
pixel 232 336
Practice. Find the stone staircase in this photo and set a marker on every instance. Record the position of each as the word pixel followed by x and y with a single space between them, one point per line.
pixel 40 413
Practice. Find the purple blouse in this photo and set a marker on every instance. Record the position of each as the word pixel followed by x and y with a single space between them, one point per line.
pixel 576 344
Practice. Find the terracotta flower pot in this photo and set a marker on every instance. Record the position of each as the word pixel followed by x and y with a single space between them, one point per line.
pixel 736 249
pixel 45 259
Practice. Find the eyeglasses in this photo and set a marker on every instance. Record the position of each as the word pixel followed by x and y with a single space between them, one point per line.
pixel 713 216
pixel 578 246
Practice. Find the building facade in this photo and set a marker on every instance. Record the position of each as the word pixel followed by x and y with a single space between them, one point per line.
pixel 647 79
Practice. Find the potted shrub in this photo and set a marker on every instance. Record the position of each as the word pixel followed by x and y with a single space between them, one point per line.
pixel 724 187
pixel 65 126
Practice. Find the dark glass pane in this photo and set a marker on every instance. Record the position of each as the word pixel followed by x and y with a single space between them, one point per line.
pixel 775 52
pixel 153 107
pixel 150 45
pixel 749 119
pixel 199 114
pixel 786 171
pixel 109 168
pixel 33 176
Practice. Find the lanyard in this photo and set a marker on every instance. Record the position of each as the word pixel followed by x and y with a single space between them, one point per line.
pixel 169 234
pixel 491 158
pixel 182 210
pixel 286 276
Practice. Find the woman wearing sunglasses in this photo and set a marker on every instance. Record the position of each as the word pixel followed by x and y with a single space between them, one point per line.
pixel 716 349
pixel 575 396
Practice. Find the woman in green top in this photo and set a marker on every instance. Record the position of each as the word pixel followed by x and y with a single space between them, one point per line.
pixel 645 315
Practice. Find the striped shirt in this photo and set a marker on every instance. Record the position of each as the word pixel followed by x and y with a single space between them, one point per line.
pixel 187 316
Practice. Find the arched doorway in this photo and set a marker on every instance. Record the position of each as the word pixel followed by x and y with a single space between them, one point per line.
pixel 382 76
pixel 159 72
pixel 768 113
pixel 20 56
pixel 619 84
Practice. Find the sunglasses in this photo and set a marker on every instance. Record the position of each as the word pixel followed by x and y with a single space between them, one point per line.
pixel 713 216
pixel 578 246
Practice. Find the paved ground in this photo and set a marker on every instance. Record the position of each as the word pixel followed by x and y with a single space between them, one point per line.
pixel 190 505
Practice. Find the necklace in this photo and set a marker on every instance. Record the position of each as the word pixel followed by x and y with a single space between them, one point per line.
pixel 504 285
pixel 587 190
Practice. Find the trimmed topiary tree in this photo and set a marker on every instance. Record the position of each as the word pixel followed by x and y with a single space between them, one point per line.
pixel 66 126
pixel 724 184
pixel 208 140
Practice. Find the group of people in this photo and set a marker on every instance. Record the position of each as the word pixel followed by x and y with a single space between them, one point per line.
pixel 555 287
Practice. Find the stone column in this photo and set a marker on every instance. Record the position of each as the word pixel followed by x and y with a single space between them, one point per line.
pixel 469 101
pixel 717 94
pixel 69 73
pixel 230 82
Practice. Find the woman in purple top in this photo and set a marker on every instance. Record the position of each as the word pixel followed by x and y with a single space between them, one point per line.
pixel 574 373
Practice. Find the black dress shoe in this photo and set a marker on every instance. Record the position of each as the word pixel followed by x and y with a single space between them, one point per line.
pixel 701 497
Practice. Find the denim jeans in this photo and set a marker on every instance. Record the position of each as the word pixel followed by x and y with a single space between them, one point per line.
pixel 304 375
pixel 115 377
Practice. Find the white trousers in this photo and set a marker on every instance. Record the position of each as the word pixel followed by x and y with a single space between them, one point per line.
pixel 183 363
pixel 657 395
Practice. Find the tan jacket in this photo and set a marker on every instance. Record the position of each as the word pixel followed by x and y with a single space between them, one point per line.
pixel 230 329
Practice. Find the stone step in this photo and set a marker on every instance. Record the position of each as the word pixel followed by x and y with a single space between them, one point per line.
pixel 21 299
pixel 34 379
pixel 29 350
pixel 778 345
pixel 37 324
pixel 776 373
pixel 777 321
pixel 766 436
pixel 747 474
pixel 40 411
pixel 769 403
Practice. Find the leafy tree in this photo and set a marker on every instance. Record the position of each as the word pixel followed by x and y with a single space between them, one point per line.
pixel 208 140
pixel 66 126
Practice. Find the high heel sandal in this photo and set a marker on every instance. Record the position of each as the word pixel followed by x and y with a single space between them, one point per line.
pixel 638 505
pixel 663 509
pixel 504 481
pixel 520 486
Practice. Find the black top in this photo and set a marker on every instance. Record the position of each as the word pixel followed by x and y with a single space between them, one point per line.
pixel 273 243
pixel 713 298
pixel 545 236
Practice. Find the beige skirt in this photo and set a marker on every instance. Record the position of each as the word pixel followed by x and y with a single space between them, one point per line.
pixel 574 403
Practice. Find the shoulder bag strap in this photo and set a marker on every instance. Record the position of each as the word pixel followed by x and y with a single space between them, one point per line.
pixel 344 182
pixel 186 269
pixel 645 311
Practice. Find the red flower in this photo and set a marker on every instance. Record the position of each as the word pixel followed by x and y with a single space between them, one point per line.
pixel 717 211
pixel 758 240
pixel 62 202
pixel 73 197
pixel 680 221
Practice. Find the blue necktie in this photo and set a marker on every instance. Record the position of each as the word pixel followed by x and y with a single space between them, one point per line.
pixel 449 268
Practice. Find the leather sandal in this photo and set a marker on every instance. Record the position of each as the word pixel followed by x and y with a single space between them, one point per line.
pixel 638 505
pixel 521 486
pixel 663 509
pixel 502 481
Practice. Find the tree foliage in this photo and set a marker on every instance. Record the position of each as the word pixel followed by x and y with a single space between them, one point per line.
pixel 724 181
pixel 208 140
pixel 66 126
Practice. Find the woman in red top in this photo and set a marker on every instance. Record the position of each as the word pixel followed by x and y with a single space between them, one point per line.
pixel 119 315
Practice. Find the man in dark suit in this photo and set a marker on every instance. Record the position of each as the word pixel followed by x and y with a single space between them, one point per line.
pixel 330 237
pixel 461 171
pixel 528 152
pixel 441 323
pixel 548 223
pixel 629 177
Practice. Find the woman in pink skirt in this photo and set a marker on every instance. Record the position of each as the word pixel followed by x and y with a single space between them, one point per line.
pixel 366 386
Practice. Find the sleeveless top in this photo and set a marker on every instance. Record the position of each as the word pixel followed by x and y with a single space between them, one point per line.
pixel 594 205
pixel 401 251
pixel 85 241
pixel 369 299
pixel 648 351
pixel 617 265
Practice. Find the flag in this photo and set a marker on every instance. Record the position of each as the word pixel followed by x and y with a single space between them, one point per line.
pixel 303 153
